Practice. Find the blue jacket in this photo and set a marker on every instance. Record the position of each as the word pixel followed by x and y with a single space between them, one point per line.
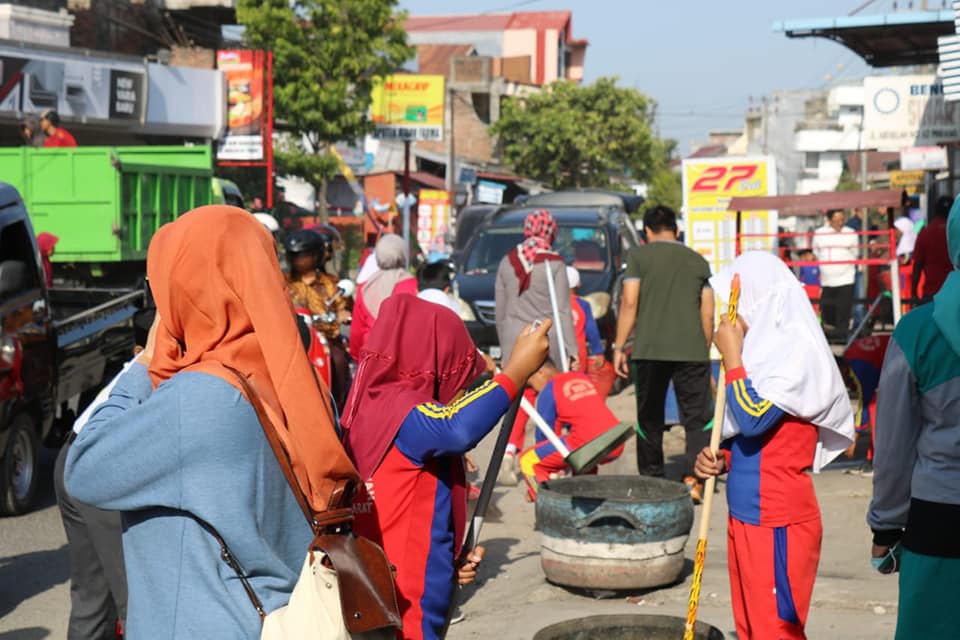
pixel 192 446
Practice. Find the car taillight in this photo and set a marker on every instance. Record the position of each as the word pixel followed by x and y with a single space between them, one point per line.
pixel 8 352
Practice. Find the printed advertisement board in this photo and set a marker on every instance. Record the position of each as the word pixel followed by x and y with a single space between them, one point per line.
pixel 244 71
pixel 433 220
pixel 408 107
pixel 907 111
pixel 708 185
pixel 87 88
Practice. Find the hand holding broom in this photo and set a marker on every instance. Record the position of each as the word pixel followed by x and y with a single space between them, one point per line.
pixel 709 487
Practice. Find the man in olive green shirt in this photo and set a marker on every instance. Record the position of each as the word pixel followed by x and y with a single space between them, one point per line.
pixel 666 297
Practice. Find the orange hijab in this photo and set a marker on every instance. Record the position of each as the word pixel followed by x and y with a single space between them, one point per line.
pixel 222 300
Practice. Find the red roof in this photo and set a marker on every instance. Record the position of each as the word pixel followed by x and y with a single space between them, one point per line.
pixel 558 20
pixel 709 151
pixel 467 22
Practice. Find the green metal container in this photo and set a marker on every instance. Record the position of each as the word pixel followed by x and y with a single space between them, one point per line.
pixel 105 203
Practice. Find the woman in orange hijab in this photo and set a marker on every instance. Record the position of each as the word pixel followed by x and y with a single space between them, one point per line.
pixel 178 442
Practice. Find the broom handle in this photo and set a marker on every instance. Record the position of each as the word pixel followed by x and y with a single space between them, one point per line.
pixel 552 289
pixel 542 425
pixel 715 433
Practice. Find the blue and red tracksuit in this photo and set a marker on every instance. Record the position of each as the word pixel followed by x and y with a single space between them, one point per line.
pixel 774 530
pixel 570 401
pixel 865 358
pixel 409 506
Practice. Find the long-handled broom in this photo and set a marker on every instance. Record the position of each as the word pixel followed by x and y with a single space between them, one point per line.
pixel 710 485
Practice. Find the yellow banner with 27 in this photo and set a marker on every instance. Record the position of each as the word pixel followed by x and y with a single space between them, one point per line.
pixel 408 107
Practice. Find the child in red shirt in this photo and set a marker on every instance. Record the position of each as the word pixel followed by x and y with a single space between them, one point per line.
pixel 787 412
pixel 573 405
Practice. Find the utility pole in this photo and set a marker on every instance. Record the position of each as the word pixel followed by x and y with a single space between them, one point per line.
pixel 765 123
pixel 451 152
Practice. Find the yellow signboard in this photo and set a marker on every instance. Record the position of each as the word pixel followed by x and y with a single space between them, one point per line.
pixel 433 220
pixel 708 186
pixel 910 180
pixel 408 107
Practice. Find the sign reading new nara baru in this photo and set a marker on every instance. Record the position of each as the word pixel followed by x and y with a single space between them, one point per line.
pixel 908 111
pixel 408 107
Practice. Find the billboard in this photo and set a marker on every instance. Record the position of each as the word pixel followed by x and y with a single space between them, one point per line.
pixel 87 87
pixel 408 107
pixel 433 220
pixel 244 72
pixel 907 111
pixel 708 185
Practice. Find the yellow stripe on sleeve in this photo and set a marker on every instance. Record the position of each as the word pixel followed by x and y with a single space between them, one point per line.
pixel 746 402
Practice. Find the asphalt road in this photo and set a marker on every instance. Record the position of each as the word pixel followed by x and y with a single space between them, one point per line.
pixel 34 568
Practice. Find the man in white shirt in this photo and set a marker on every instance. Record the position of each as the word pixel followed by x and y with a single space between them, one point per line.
pixel 836 243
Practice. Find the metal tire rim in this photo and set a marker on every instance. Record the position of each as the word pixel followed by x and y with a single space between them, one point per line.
pixel 22 459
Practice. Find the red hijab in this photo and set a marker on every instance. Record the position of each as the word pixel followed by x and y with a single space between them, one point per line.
pixel 222 300
pixel 539 232
pixel 416 352
pixel 46 243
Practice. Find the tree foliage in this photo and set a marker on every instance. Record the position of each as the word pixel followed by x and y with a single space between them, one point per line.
pixel 326 54
pixel 578 136
pixel 664 186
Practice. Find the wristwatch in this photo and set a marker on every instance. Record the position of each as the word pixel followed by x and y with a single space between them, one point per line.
pixel 618 347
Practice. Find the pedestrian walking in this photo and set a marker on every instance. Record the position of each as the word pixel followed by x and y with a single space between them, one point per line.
pixel 522 295
pixel 838 247
pixel 931 259
pixel 787 413
pixel 407 425
pixel 915 508
pixel 667 305
pixel 390 277
pixel 179 448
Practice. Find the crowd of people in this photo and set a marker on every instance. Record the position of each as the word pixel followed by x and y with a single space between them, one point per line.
pixel 172 458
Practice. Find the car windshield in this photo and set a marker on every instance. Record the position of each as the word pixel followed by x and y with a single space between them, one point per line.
pixel 584 247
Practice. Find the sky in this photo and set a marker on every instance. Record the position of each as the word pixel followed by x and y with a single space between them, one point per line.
pixel 701 60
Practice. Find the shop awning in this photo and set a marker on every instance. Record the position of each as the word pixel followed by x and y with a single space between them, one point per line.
pixel 816 203
pixel 882 40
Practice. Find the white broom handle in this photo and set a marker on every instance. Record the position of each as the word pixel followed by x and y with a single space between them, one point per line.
pixel 564 363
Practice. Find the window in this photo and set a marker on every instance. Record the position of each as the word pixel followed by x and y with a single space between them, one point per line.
pixel 812 160
pixel 584 247
pixel 18 264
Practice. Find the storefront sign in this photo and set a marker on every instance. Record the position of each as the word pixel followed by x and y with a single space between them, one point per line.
pixel 708 186
pixel 907 111
pixel 77 87
pixel 490 192
pixel 433 220
pixel 408 107
pixel 908 180
pixel 244 71
pixel 923 159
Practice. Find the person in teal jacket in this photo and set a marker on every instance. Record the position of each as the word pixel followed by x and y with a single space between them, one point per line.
pixel 915 511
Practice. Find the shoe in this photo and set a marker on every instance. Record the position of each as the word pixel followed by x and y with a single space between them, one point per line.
pixel 473 492
pixel 457 617
pixel 866 469
pixel 507 477
pixel 696 489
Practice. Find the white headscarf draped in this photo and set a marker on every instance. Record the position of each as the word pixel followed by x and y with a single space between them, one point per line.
pixel 785 352
pixel 908 237
pixel 437 296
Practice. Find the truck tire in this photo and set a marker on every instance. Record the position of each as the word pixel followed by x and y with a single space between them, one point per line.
pixel 19 467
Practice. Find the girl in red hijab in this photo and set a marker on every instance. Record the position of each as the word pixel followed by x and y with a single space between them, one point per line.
pixel 47 243
pixel 407 425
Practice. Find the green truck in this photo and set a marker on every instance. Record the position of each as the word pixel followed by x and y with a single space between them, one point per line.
pixel 105 203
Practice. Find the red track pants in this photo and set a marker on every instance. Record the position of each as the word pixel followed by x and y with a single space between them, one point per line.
pixel 772 570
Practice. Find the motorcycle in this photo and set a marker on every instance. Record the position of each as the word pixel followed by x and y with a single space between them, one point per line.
pixel 318 352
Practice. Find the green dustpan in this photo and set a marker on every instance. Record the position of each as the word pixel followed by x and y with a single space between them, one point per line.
pixel 584 458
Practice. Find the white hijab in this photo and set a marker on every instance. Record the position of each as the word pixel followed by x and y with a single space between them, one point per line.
pixel 437 296
pixel 785 352
pixel 908 237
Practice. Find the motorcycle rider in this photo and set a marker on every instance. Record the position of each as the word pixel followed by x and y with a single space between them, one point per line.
pixel 311 287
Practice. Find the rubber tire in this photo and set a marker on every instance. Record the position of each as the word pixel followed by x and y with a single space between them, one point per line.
pixel 22 430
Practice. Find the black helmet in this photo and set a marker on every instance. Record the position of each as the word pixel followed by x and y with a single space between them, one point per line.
pixel 304 241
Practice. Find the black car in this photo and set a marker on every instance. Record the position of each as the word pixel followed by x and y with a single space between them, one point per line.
pixel 593 238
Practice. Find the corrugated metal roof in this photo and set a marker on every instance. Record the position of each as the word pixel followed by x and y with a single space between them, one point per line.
pixel 558 20
pixel 466 22
pixel 435 58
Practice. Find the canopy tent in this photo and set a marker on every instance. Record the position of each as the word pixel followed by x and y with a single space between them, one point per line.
pixel 816 203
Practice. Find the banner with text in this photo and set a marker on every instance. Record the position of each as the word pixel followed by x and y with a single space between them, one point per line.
pixel 708 185
pixel 408 107
pixel 433 220
pixel 245 74
pixel 907 111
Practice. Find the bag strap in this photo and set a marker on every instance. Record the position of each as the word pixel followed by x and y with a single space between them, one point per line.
pixel 336 516
pixel 227 556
